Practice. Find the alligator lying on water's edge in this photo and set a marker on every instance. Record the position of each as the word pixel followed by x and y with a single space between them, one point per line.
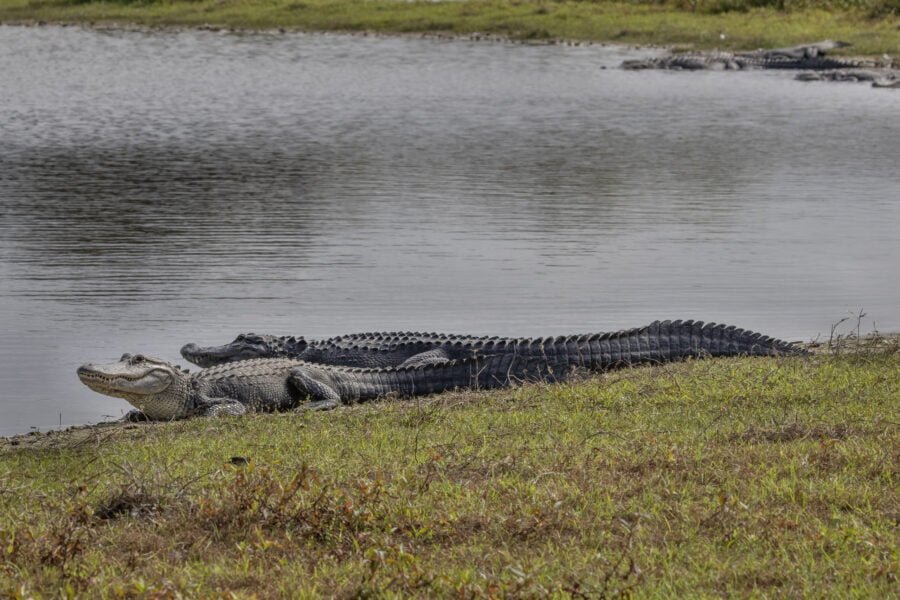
pixel 371 350
pixel 807 57
pixel 163 392
pixel 879 78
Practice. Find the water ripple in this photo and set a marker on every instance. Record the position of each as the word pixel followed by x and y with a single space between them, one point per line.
pixel 163 188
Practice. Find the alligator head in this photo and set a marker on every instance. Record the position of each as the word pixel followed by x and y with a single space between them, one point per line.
pixel 160 390
pixel 244 347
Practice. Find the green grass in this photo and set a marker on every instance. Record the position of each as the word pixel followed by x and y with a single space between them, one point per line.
pixel 871 25
pixel 746 477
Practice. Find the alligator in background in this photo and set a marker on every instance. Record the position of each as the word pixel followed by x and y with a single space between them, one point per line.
pixel 374 349
pixel 878 78
pixel 807 57
pixel 161 391
pixel 369 350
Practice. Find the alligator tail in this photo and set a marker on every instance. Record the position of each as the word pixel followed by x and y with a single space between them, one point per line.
pixel 665 341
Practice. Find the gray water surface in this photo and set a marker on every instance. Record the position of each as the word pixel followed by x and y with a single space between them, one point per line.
pixel 162 188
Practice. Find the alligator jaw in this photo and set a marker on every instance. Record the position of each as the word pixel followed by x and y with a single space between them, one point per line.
pixel 207 356
pixel 244 347
pixel 116 380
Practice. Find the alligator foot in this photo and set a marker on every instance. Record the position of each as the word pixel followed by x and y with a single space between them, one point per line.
pixel 318 405
pixel 323 396
pixel 134 416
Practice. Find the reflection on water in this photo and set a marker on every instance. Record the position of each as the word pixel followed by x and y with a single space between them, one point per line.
pixel 158 189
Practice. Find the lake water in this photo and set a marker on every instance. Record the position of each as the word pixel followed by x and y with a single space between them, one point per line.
pixel 162 188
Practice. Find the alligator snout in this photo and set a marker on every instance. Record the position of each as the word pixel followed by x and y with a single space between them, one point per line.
pixel 189 349
pixel 202 357
pixel 89 373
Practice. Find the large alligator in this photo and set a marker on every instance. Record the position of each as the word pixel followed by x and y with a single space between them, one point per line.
pixel 161 391
pixel 370 350
pixel 806 57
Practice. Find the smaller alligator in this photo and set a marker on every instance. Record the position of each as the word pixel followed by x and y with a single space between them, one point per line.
pixel 161 391
pixel 805 57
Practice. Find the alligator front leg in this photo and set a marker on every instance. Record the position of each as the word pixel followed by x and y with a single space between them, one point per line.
pixel 323 396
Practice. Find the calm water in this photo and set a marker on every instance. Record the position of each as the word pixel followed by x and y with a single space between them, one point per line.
pixel 165 188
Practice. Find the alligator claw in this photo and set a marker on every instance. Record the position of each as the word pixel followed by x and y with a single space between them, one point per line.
pixel 318 405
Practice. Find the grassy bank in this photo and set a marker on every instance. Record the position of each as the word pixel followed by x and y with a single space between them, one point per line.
pixel 871 25
pixel 766 477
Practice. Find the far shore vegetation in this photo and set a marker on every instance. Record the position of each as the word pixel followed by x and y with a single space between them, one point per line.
pixel 872 26
pixel 744 477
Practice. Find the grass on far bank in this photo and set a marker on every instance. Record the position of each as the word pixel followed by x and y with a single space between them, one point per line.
pixel 872 26
pixel 759 477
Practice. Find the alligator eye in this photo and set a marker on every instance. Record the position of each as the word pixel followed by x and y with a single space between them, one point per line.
pixel 138 358
pixel 240 338
pixel 125 356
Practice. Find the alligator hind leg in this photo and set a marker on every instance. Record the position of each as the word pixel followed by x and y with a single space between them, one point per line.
pixel 218 407
pixel 423 359
pixel 323 396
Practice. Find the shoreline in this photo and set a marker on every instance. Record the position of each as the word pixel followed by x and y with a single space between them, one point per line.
pixel 136 27
pixel 883 66
pixel 79 435
pixel 606 23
